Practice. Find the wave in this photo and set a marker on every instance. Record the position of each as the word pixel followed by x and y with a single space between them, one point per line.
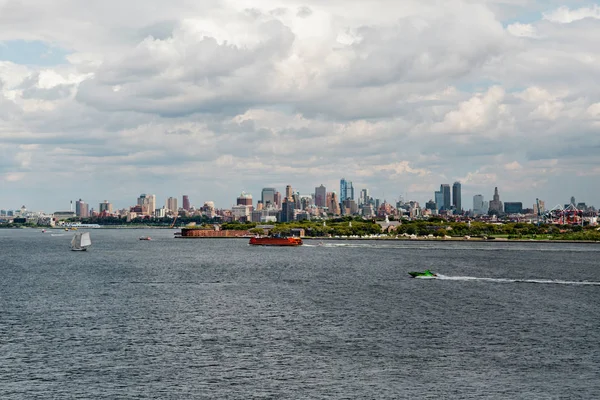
pixel 509 280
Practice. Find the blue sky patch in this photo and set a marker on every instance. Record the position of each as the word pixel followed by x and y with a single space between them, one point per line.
pixel 32 53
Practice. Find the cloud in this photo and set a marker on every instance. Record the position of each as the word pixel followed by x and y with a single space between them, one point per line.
pixel 398 97
pixel 565 15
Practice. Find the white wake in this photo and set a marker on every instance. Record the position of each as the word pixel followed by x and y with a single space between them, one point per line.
pixel 507 280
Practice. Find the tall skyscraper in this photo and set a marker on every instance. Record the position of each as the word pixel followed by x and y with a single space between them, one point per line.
pixel 287 210
pixel 321 196
pixel 186 202
pixel 364 197
pixel 268 197
pixel 277 199
pixel 445 189
pixel 496 204
pixel 456 196
pixel 478 208
pixel 81 209
pixel 171 204
pixel 289 193
pixel 439 199
pixel 346 190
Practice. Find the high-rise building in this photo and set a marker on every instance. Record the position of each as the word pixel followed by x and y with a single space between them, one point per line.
pixel 364 197
pixel 186 202
pixel 289 193
pixel 268 197
pixel 496 204
pixel 439 199
pixel 244 199
pixel 445 189
pixel 277 199
pixel 333 204
pixel 148 203
pixel 478 204
pixel 81 209
pixel 171 205
pixel 105 208
pixel 287 210
pixel 456 196
pixel 346 190
pixel 321 196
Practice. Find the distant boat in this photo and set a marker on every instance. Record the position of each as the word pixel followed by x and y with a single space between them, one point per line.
pixel 275 241
pixel 81 241
pixel 425 274
pixel 145 238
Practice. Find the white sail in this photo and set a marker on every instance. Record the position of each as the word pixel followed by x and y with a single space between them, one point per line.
pixel 85 240
pixel 75 241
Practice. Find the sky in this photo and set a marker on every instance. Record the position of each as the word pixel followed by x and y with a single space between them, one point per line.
pixel 108 100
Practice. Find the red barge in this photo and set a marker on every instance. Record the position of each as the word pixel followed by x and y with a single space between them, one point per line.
pixel 276 241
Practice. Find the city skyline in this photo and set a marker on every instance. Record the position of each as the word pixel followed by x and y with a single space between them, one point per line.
pixel 159 201
pixel 210 99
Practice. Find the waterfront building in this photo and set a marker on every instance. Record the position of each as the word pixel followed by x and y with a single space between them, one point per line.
pixel 321 196
pixel 456 196
pixel 268 197
pixel 186 202
pixel 346 190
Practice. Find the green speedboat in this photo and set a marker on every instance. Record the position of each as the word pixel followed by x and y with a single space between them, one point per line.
pixel 425 274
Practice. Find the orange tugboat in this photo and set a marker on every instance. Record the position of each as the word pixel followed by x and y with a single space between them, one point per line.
pixel 276 241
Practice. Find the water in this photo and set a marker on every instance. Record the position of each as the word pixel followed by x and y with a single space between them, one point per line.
pixel 180 319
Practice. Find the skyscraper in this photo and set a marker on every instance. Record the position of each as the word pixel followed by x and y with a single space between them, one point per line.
pixel 320 196
pixel 439 199
pixel 186 202
pixel 105 208
pixel 244 199
pixel 478 208
pixel 456 196
pixel 287 210
pixel 81 209
pixel 171 204
pixel 445 189
pixel 289 193
pixel 496 204
pixel 346 190
pixel 364 197
pixel 268 197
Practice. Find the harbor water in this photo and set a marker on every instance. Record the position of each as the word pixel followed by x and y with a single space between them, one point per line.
pixel 219 319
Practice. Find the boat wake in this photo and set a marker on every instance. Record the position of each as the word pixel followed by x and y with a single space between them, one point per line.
pixel 507 280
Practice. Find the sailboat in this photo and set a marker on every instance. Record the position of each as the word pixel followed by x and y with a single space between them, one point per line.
pixel 81 241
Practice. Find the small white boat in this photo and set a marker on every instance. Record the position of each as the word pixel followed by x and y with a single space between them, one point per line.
pixel 81 241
